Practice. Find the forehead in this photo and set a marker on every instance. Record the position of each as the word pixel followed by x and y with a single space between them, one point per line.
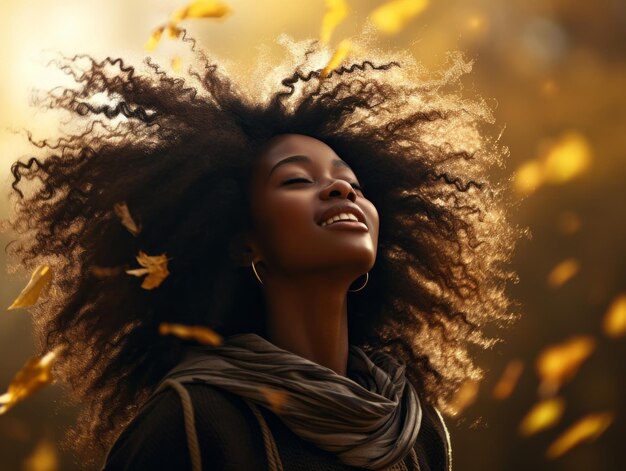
pixel 287 145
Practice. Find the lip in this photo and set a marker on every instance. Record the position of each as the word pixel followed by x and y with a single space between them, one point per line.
pixel 342 208
pixel 347 225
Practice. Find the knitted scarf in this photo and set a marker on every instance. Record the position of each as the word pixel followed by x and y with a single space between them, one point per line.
pixel 369 419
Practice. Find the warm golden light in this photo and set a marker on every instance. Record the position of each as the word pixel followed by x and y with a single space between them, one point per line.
pixel 543 415
pixel 588 428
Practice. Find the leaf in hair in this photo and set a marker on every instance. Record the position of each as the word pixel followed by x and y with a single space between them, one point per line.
pixel 39 280
pixel 35 374
pixel 155 268
pixel 199 333
pixel 340 54
pixel 122 211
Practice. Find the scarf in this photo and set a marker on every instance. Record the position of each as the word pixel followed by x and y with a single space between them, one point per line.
pixel 370 419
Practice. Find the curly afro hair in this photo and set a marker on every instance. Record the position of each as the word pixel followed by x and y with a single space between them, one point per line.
pixel 170 147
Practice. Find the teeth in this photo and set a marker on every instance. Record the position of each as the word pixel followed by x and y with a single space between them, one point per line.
pixel 340 217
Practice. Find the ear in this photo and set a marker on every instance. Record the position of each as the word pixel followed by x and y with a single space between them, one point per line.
pixel 241 249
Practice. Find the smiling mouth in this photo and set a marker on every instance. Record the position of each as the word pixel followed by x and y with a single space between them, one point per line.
pixel 352 225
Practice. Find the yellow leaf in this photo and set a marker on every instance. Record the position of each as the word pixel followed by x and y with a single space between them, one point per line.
pixel 336 12
pixel 392 16
pixel 276 398
pixel 588 428
pixel 176 64
pixel 569 157
pixel 43 458
pixel 559 161
pixel 465 396
pixel 201 9
pixel 543 415
pixel 563 272
pixel 33 376
pixel 198 333
pixel 509 379
pixel 342 51
pixel 154 39
pixel 560 363
pixel 155 268
pixel 39 280
pixel 614 323
pixel 121 209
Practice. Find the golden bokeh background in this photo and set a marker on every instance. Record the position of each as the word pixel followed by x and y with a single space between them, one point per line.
pixel 554 395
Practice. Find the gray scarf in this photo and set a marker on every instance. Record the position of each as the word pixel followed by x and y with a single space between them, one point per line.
pixel 370 419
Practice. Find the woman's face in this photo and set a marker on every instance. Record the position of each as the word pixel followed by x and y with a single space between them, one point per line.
pixel 297 182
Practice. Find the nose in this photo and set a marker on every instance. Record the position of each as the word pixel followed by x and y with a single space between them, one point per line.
pixel 340 188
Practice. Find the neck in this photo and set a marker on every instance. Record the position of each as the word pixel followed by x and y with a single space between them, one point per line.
pixel 310 318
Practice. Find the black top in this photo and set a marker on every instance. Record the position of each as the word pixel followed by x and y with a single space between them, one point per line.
pixel 230 437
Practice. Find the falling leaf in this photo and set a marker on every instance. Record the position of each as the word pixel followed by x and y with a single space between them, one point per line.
pixel 201 9
pixel 560 161
pixel 543 415
pixel 392 16
pixel 569 157
pixel 336 12
pixel 465 396
pixel 156 269
pixel 199 333
pixel 122 211
pixel 509 379
pixel 342 51
pixel 588 428
pixel 105 272
pixel 614 323
pixel 176 64
pixel 43 458
pixel 563 272
pixel 559 363
pixel 276 398
pixel 569 222
pixel 39 280
pixel 33 376
pixel 154 39
pixel 173 31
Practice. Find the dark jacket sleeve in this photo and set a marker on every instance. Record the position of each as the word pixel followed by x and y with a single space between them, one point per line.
pixel 156 439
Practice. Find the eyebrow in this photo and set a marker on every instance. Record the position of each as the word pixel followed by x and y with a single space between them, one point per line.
pixel 305 159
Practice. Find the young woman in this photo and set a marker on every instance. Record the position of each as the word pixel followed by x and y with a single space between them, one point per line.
pixel 338 232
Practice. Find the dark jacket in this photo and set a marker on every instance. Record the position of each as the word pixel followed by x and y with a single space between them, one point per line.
pixel 230 437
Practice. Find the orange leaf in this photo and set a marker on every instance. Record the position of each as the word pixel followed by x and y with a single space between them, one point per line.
pixel 543 415
pixel 340 53
pixel 559 363
pixel 33 376
pixel 276 398
pixel 156 269
pixel 588 428
pixel 154 39
pixel 199 333
pixel 614 322
pixel 509 379
pixel 40 279
pixel 121 209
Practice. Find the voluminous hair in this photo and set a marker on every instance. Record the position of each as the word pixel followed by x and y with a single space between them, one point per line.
pixel 179 150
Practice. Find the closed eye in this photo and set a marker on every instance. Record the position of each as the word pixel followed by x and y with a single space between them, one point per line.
pixel 296 180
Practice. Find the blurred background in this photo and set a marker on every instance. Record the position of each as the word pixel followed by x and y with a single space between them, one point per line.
pixel 554 395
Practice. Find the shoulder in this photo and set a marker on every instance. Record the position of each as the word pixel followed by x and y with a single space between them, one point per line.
pixel 157 439
pixel 433 442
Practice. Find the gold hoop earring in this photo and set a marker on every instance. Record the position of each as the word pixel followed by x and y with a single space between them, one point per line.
pixel 257 275
pixel 367 277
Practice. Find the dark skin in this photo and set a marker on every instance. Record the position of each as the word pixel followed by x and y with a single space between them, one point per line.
pixel 306 268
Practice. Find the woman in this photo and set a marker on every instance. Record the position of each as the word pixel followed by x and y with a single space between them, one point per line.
pixel 361 327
